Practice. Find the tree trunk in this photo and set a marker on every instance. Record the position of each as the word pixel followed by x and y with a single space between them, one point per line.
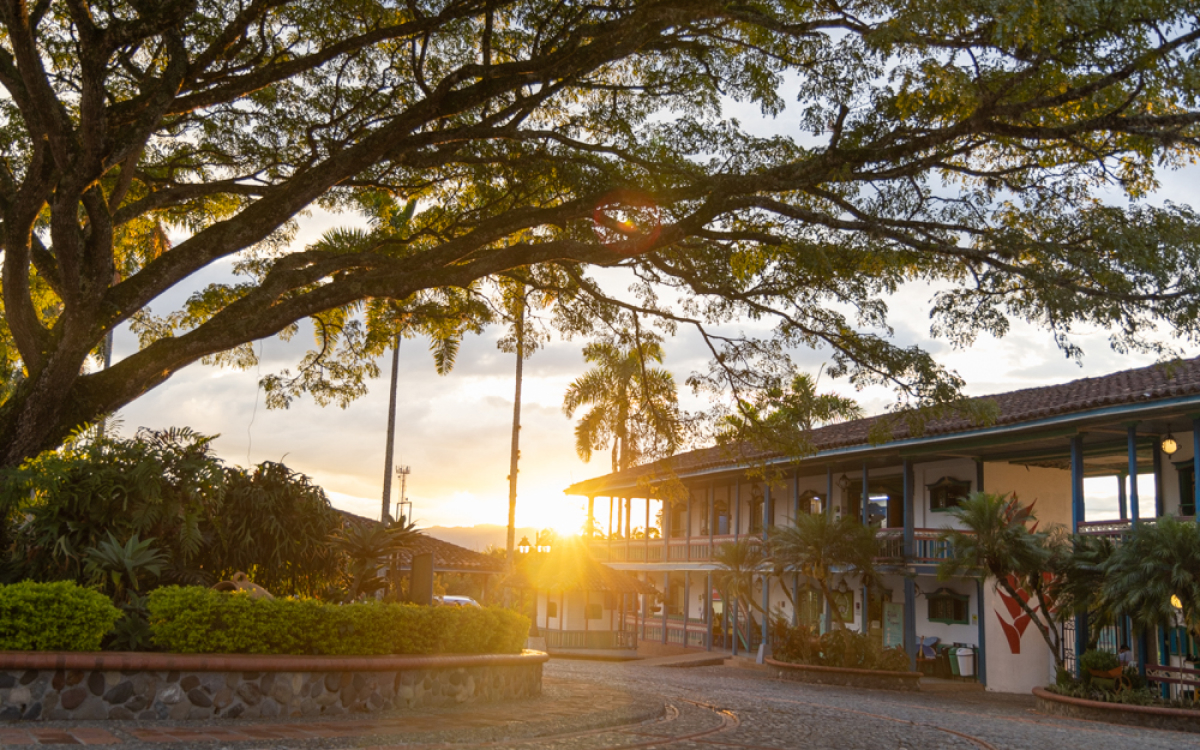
pixel 1044 628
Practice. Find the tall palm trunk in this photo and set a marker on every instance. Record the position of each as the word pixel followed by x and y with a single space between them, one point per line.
pixel 515 450
pixel 385 514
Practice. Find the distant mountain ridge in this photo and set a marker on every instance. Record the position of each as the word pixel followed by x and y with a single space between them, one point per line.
pixel 478 537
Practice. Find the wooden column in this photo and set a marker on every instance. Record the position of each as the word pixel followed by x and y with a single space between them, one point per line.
pixel 1077 516
pixel 1159 495
pixel 795 495
pixel 646 534
pixel 1196 465
pixel 708 608
pixel 1135 510
pixel 737 514
pixel 687 534
pixel 712 522
pixel 610 526
pixel 910 585
pixel 1122 500
pixel 666 600
pixel 865 625
pixel 687 604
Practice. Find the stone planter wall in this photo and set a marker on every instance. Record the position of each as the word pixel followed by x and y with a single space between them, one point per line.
pixel 38 686
pixel 1153 717
pixel 871 679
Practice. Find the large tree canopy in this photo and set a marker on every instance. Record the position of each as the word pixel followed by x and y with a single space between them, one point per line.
pixel 960 142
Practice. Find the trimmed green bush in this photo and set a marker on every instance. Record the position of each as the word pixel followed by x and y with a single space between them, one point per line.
pixel 195 620
pixel 837 648
pixel 59 616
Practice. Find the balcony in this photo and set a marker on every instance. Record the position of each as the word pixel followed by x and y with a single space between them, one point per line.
pixel 926 548
pixel 1117 529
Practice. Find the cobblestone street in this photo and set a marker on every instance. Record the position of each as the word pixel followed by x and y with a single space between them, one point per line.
pixel 765 713
pixel 609 706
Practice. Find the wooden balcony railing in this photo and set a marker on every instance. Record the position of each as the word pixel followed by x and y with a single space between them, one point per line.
pixel 590 639
pixel 926 548
pixel 1118 528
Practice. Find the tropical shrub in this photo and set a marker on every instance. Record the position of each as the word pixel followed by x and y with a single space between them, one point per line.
pixel 59 616
pixel 198 620
pixel 78 514
pixel 838 648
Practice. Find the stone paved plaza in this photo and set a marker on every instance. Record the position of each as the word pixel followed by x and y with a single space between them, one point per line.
pixel 773 714
pixel 606 706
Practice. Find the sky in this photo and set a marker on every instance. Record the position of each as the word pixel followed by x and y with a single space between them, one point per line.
pixel 454 431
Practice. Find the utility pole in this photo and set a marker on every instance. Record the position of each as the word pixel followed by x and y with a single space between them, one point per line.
pixel 515 451
pixel 403 506
pixel 386 514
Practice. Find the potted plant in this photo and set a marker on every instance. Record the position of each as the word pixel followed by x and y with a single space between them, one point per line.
pixel 1104 669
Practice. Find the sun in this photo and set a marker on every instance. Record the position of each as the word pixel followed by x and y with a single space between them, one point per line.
pixel 546 510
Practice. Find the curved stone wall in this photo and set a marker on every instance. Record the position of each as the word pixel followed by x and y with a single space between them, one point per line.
pixel 40 686
pixel 875 679
pixel 1153 717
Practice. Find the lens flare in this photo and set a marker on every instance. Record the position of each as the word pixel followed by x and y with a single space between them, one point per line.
pixel 627 221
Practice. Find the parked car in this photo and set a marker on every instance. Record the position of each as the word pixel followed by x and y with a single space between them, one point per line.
pixel 455 601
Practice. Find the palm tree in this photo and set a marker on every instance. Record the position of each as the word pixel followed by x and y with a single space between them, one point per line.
pixel 780 420
pixel 634 406
pixel 998 543
pixel 815 545
pixel 521 340
pixel 1154 575
pixel 738 562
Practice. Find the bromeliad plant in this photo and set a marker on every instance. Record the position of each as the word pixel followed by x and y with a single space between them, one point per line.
pixel 122 570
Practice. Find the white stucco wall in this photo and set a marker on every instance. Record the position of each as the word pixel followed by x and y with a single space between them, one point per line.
pixel 1009 672
pixel 1051 488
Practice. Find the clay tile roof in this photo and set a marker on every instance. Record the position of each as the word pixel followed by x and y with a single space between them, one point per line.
pixel 1140 386
pixel 447 557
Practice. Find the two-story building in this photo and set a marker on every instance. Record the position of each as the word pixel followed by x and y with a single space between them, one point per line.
pixel 1042 444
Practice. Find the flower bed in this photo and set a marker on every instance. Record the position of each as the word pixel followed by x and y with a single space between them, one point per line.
pixel 234 656
pixel 42 686
pixel 1155 717
pixel 871 679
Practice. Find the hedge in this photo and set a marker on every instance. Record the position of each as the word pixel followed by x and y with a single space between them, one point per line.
pixel 58 616
pixel 195 620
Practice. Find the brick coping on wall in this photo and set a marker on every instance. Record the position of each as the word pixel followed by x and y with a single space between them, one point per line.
pixel 128 661
pixel 844 670
pixel 1163 711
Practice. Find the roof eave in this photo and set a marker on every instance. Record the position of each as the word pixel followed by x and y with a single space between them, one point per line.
pixel 1078 419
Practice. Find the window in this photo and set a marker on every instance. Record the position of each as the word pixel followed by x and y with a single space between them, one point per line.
pixel 946 493
pixel 810 607
pixel 756 511
pixel 812 503
pixel 594 611
pixel 949 608
pixel 551 609
pixel 678 520
pixel 1187 488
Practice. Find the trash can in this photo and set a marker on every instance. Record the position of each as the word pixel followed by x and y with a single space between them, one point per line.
pixel 966 662
pixel 953 654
